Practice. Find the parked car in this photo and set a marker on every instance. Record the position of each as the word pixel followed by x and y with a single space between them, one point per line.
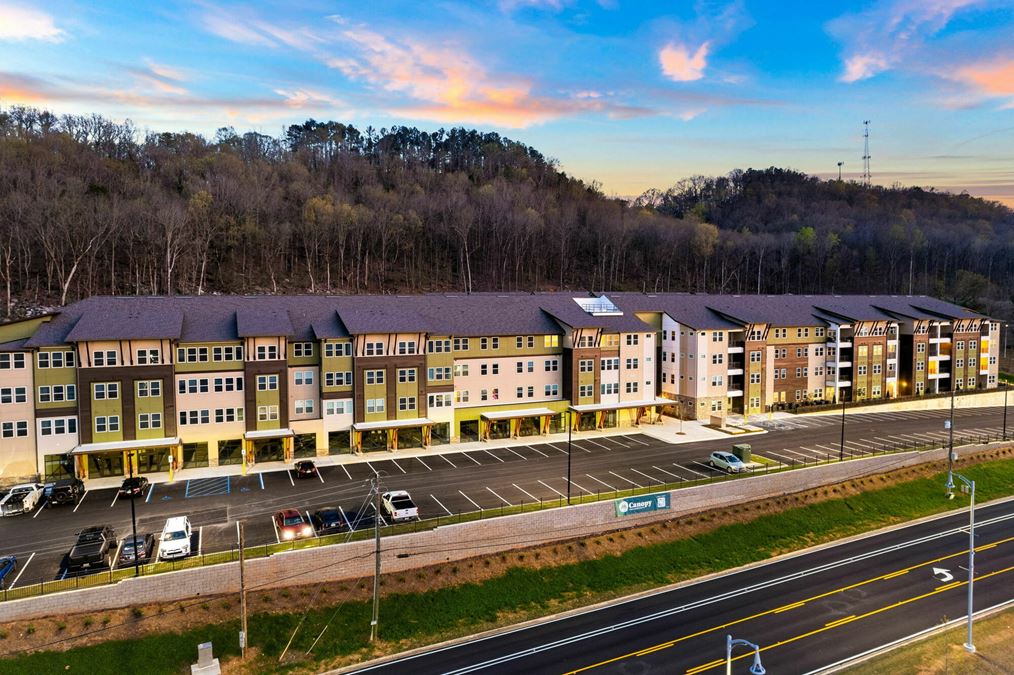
pixel 726 461
pixel 398 506
pixel 329 520
pixel 62 492
pixel 131 487
pixel 364 518
pixel 139 548
pixel 8 565
pixel 305 468
pixel 175 539
pixel 292 524
pixel 94 548
pixel 21 499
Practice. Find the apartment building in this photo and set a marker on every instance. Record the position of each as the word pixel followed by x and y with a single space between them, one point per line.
pixel 112 384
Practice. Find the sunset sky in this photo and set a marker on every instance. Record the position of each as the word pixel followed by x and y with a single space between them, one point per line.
pixel 631 94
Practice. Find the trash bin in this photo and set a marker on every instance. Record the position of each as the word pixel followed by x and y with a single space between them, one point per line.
pixel 743 451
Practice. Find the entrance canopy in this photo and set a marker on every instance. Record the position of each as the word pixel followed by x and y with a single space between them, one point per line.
pixel 268 433
pixel 109 446
pixel 598 407
pixel 392 424
pixel 515 414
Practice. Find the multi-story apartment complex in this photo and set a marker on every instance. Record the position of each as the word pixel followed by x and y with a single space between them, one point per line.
pixel 220 380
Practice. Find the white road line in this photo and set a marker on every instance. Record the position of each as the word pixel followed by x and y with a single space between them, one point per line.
pixel 320 476
pixel 147 500
pixel 537 450
pixel 275 526
pixel 441 505
pixel 651 478
pixel 346 471
pixel 261 476
pixel 556 448
pixel 798 454
pixel 117 496
pixel 64 575
pixel 310 520
pixel 499 497
pixel 375 472
pixel 580 447
pixel 553 489
pixel 493 456
pixel 39 510
pixel 626 479
pixel 860 449
pixel 448 461
pixel 604 447
pixel 670 473
pixel 23 568
pixel 116 555
pixel 469 499
pixel 424 464
pixel 237 533
pixel 698 473
pixel 601 481
pixel 200 539
pixel 395 462
pixel 289 474
pixel 788 460
pixel 619 443
pixel 471 458
pixel 577 486
pixel 816 453
pixel 635 440
pixel 517 453
pixel 86 494
pixel 534 498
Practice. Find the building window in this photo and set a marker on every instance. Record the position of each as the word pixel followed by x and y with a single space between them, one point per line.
pixel 149 388
pixel 148 357
pixel 266 382
pixel 438 346
pixel 303 376
pixel 408 374
pixel 106 390
pixel 610 364
pixel 193 386
pixel 343 407
pixel 586 390
pixel 17 429
pixel 586 365
pixel 406 347
pixel 483 343
pixel 191 355
pixel 608 388
pixel 755 378
pixel 586 341
pixel 302 349
pixel 333 350
pixel 519 342
pixel 552 365
pixel 267 413
pixel 631 364
pixel 105 357
pixel 718 336
pixel 110 423
pixel 229 383
pixel 57 426
pixel 267 352
pixel 717 358
pixel 374 349
pixel 14 395
pixel 439 374
pixel 551 340
pixel 632 387
pixel 861 370
pixel 304 406
pixel 227 353
pixel 149 421
pixel 374 405
pixel 799 372
pixel 920 348
pixel 716 380
pixel 632 339
pixel 14 361
pixel 462 396
pixel 439 400
pixel 461 370
pixel 920 366
pixel 374 377
pixel 755 357
pixel 224 415
pixel 461 344
pixel 339 379
pixel 716 406
pixel 552 390
pixel 406 403
pixel 971 383
pixel 521 392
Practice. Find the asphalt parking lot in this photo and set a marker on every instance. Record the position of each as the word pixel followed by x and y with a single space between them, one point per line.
pixel 451 482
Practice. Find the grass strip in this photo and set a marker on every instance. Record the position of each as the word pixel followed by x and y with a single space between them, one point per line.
pixel 416 619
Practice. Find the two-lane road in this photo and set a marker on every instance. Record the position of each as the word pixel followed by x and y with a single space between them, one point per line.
pixel 806 612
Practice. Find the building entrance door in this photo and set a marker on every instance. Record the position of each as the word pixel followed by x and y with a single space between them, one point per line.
pixel 105 464
pixel 268 450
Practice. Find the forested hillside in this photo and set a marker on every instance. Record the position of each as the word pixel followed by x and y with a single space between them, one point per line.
pixel 89 206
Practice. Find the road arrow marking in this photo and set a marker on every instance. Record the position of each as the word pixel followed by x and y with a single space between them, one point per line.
pixel 942 574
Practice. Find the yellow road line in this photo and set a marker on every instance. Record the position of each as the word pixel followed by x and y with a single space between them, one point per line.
pixel 705 631
pixel 837 622
pixel 706 666
pixel 786 608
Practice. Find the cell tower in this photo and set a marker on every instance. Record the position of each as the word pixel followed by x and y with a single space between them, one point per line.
pixel 867 177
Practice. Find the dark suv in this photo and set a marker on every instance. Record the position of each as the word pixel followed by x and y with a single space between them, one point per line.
pixel 62 492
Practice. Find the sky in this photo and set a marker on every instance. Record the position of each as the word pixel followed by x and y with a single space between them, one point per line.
pixel 633 95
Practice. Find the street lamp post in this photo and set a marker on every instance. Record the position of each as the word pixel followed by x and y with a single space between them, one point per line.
pixel 1006 386
pixel 755 669
pixel 841 449
pixel 969 645
pixel 570 428
pixel 950 442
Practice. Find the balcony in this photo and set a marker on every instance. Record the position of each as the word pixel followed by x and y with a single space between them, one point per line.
pixel 843 383
pixel 735 371
pixel 735 393
pixel 840 345
pixel 735 348
pixel 939 340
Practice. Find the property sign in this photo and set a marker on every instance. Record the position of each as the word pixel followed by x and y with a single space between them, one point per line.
pixel 633 506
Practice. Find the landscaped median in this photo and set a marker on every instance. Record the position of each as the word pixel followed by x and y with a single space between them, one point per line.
pixel 461 598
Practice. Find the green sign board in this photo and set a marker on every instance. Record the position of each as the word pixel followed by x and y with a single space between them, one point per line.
pixel 633 506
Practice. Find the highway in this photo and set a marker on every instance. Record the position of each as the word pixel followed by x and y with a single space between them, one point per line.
pixel 455 482
pixel 805 612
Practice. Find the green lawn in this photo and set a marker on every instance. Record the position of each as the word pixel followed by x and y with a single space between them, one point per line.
pixel 408 620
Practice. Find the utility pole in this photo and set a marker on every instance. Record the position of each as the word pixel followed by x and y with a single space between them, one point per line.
pixel 376 571
pixel 133 515
pixel 570 428
pixel 242 590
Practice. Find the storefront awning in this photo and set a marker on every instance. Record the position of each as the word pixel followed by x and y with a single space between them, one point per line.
pixel 112 446
pixel 392 424
pixel 515 414
pixel 622 405
pixel 268 433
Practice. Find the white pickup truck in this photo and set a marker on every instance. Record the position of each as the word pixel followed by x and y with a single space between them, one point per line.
pixel 21 499
pixel 398 506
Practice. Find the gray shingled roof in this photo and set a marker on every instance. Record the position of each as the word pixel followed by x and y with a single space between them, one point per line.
pixel 263 322
pixel 563 308
pixel 685 308
pixel 122 318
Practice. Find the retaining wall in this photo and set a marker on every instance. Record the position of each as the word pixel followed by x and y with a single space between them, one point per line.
pixel 447 543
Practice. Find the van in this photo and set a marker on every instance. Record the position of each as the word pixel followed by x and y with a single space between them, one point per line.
pixel 175 540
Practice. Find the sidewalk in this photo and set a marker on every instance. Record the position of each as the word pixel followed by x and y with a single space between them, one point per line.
pixel 668 431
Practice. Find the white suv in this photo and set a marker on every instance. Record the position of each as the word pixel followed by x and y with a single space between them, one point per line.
pixel 175 540
pixel 726 461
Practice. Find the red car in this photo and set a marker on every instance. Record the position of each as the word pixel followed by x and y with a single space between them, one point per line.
pixel 292 524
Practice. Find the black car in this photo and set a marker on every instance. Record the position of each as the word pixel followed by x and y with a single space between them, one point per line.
pixel 143 545
pixel 132 487
pixel 305 468
pixel 364 518
pixel 62 492
pixel 329 520
pixel 95 547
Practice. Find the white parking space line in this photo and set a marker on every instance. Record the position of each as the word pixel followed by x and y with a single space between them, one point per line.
pixel 651 478
pixel 39 510
pixel 601 481
pixel 834 451
pixel 553 488
pixel 395 462
pixel 626 479
pixel 117 496
pixel 200 539
pixel 813 453
pixel 669 473
pixel 237 533
pixel 424 463
pixel 613 440
pixel 147 500
pixel 375 472
pixel 860 448
pixel 85 495
pixel 493 456
pixel 261 476
pixel 537 450
pixel 346 471
pixel 310 520
pixel 116 555
pixel 517 453
pixel 782 458
pixel 320 476
pixel 702 475
pixel 865 444
pixel 579 447
pixel 534 498
pixel 64 574
pixel 499 497
pixel 23 568
pixel 577 486
pixel 556 448
pixel 797 454
pixel 604 447
pixel 289 474
pixel 441 505
pixel 275 526
pixel 635 440
pixel 472 458
pixel 469 499
pixel 448 461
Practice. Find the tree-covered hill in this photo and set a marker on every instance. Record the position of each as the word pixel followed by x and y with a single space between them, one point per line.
pixel 89 206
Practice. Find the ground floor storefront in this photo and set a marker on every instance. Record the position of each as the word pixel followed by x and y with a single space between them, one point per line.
pixel 119 458
pixel 391 435
pixel 594 416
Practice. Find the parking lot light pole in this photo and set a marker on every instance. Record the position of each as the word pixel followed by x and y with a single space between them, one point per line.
pixel 950 444
pixel 755 669
pixel 1006 386
pixel 133 514
pixel 969 645
pixel 841 449
pixel 570 429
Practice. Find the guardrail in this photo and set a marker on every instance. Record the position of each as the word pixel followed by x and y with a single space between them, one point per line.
pixel 797 407
pixel 769 466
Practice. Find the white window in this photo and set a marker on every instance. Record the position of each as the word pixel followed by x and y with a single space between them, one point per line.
pixel 877 368
pixel 223 415
pixel 104 357
pixel 799 371
pixel 462 396
pixel 716 380
pixel 304 406
pixel 333 350
pixel 304 376
pixel 105 424
pixel 716 406
pixel 461 344
pixel 374 405
pixel 18 429
pixel 755 378
pixel 755 357
pixel 632 387
pixel 267 352
pixel 438 374
pixel 406 347
pixel 439 400
pixel 375 377
pixel 106 390
pixel 586 365
pixel 920 348
pixel 149 388
pixel 586 390
pixel 58 426
pixel 229 383
pixel 552 365
pixel 14 361
pixel 14 395
pixel 267 382
pixel 227 353
pixel 586 341
pixel 302 349
pixel 552 390
pixel 267 413
pixel 521 392
pixel 339 379
pixel 194 385
pixel 861 370
pixel 461 370
pixel 610 364
pixel 483 343
pixel 875 391
pixel 406 403
pixel 191 354
pixel 631 364
pixel 374 349
pixel 632 339
pixel 438 346
pixel 920 366
pixel 149 421
pixel 338 407
pixel 609 388
pixel 148 357
pixel 971 383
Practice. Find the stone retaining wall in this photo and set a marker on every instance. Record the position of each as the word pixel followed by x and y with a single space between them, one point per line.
pixel 447 543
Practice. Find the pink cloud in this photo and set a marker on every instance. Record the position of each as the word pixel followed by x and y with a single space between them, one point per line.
pixel 992 79
pixel 679 65
pixel 24 23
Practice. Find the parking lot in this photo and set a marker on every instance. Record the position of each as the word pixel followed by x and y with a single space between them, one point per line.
pixel 451 482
